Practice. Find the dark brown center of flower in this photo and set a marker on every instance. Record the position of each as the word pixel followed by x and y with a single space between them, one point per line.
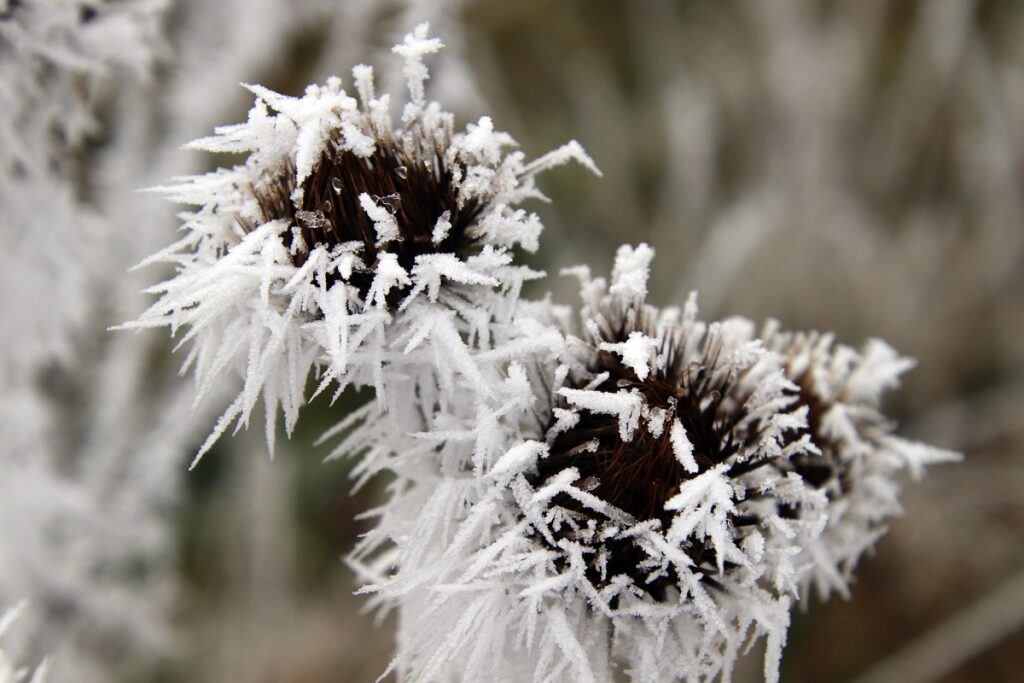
pixel 416 189
pixel 641 475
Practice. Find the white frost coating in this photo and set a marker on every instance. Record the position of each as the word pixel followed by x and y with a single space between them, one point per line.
pixel 704 505
pixel 390 274
pixel 441 227
pixel 631 271
pixel 356 141
pixel 415 47
pixel 430 269
pixel 655 420
pixel 362 76
pixel 682 447
pixel 570 151
pixel 624 405
pixel 879 369
pixel 383 220
pixel 636 352
pixel 518 459
pixel 481 142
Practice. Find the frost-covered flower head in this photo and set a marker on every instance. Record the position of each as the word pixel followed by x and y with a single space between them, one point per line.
pixel 651 520
pixel 667 491
pixel 860 458
pixel 659 408
pixel 348 242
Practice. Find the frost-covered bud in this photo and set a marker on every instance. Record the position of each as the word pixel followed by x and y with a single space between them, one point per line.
pixel 366 248
pixel 860 458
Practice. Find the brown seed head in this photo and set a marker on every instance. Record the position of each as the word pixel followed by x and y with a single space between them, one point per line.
pixel 641 475
pixel 416 188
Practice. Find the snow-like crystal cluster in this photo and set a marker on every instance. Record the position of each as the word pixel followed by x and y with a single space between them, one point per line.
pixel 639 489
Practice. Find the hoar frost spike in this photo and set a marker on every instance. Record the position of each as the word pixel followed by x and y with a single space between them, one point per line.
pixel 347 243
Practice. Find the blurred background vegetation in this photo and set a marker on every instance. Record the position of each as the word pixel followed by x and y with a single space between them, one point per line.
pixel 839 165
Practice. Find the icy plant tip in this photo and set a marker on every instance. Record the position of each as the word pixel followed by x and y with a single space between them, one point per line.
pixel 340 233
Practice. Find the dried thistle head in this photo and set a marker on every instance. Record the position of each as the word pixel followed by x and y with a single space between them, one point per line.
pixel 648 500
pixel 414 178
pixel 424 204
pixel 415 186
pixel 684 483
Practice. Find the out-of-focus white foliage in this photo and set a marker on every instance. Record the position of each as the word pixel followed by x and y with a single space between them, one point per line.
pixel 87 437
pixel 9 671
pixel 274 312
pixel 55 57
